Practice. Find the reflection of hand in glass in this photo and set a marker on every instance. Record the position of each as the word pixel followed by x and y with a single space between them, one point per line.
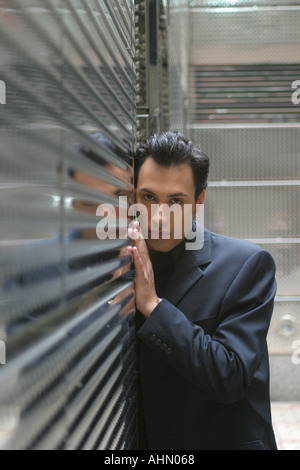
pixel 126 300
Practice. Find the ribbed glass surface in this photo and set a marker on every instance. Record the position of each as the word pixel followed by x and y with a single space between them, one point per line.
pixel 67 135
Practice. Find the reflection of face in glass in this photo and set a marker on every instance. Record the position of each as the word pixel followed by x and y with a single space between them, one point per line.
pixel 110 179
pixel 96 184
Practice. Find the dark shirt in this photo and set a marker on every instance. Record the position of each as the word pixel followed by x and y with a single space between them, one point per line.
pixel 164 264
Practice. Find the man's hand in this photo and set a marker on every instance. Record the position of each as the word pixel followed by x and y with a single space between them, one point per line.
pixel 145 293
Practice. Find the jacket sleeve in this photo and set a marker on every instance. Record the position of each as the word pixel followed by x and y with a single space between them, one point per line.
pixel 221 365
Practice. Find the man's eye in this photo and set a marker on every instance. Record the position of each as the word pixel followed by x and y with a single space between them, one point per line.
pixel 176 201
pixel 148 197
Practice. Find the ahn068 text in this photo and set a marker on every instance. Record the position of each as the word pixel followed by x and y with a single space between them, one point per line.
pixel 171 459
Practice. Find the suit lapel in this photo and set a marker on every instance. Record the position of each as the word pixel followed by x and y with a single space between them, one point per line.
pixel 188 271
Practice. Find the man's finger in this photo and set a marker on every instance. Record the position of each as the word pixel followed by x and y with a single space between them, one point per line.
pixel 133 233
pixel 140 241
pixel 139 268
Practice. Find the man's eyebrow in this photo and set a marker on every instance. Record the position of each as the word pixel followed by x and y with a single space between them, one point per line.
pixel 146 190
pixel 178 194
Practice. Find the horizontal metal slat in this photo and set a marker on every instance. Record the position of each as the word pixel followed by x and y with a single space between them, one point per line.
pixel 32 393
pixel 246 106
pixel 224 93
pixel 104 28
pixel 240 118
pixel 115 422
pixel 106 67
pixel 55 80
pixel 73 35
pixel 252 110
pixel 54 400
pixel 233 68
pixel 69 130
pixel 97 406
pixel 81 402
pixel 241 3
pixel 25 304
pixel 119 25
pixel 106 422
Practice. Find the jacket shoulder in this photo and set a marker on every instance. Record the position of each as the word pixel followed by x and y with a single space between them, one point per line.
pixel 236 249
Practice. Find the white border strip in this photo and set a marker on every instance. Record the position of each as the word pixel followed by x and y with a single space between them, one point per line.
pixel 231 184
pixel 245 125
pixel 274 241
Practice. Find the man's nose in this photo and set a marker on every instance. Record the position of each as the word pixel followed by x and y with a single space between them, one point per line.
pixel 159 215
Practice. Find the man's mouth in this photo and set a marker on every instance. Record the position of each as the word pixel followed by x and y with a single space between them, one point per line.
pixel 155 234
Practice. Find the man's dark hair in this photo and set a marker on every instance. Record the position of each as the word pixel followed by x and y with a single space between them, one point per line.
pixel 172 148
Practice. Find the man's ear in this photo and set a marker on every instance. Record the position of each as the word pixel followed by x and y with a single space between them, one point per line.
pixel 201 198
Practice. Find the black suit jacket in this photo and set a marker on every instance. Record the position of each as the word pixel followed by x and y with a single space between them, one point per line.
pixel 203 357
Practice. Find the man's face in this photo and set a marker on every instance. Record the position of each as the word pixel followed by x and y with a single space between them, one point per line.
pixel 159 185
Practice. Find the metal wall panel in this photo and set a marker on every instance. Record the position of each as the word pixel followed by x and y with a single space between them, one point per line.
pixel 162 63
pixel 152 64
pixel 244 93
pixel 66 307
pixel 239 34
pixel 178 51
pixel 240 3
pixel 244 59
pixel 254 193
pixel 251 153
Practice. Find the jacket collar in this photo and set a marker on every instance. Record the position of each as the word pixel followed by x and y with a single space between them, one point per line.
pixel 188 270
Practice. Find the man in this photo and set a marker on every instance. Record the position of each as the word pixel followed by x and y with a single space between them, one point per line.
pixel 203 317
